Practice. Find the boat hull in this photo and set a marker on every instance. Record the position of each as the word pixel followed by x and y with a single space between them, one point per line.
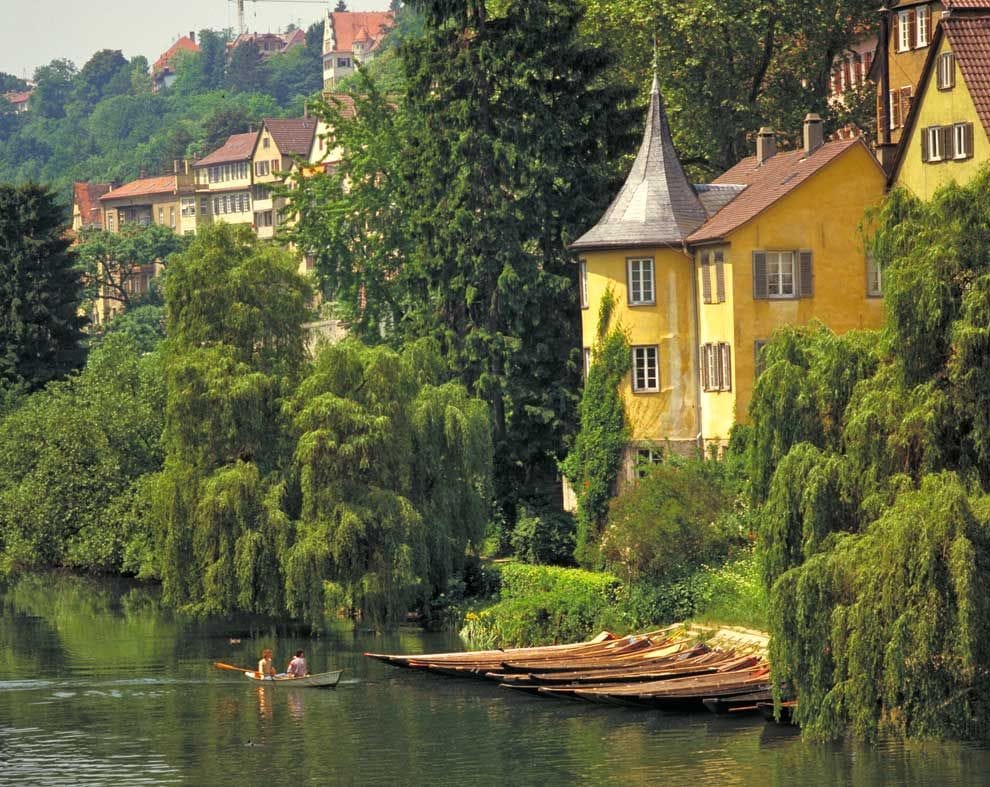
pixel 322 680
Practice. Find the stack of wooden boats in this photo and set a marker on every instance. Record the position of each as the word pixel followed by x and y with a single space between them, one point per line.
pixel 663 669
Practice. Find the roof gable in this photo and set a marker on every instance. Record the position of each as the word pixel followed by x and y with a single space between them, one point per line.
pixel 184 44
pixel 293 136
pixel 656 206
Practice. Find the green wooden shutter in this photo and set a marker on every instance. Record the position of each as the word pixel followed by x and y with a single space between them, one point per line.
pixel 759 274
pixel 806 275
pixel 706 281
pixel 719 277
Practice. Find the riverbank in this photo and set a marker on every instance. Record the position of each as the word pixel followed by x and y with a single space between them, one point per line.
pixel 541 605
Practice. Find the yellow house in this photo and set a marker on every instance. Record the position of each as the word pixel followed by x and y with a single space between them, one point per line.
pixel 224 180
pixel 278 143
pixel 945 136
pixel 702 275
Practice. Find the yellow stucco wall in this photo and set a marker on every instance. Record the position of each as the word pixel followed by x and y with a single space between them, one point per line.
pixel 716 322
pixel 905 67
pixel 822 215
pixel 942 108
pixel 670 414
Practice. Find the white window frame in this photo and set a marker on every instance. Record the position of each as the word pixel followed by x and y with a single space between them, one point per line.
pixel 946 71
pixel 640 281
pixel 923 20
pixel 904 31
pixel 934 135
pixel 776 279
pixel 583 283
pixel 646 359
pixel 586 361
pixel 646 457
pixel 960 142
pixel 188 205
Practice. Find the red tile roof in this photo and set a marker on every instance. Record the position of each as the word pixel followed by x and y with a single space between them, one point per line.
pixel 167 184
pixel 953 4
pixel 238 147
pixel 86 196
pixel 18 97
pixel 184 44
pixel 296 38
pixel 969 38
pixel 765 184
pixel 348 27
pixel 343 103
pixel 294 136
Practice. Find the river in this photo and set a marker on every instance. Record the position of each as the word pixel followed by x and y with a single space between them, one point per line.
pixel 99 685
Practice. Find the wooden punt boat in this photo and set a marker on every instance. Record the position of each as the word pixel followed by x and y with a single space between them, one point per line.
pixel 740 703
pixel 321 680
pixel 632 654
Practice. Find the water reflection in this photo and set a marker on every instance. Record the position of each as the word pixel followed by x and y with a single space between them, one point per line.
pixel 101 685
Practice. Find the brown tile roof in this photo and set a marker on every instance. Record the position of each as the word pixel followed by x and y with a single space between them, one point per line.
pixel 167 184
pixel 765 184
pixel 18 97
pixel 656 206
pixel 343 103
pixel 238 147
pixel 86 196
pixel 348 27
pixel 296 38
pixel 184 44
pixel 969 38
pixel 953 4
pixel 294 136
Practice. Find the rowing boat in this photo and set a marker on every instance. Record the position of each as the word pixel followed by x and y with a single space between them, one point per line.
pixel 321 680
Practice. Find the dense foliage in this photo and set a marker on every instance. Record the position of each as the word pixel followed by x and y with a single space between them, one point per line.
pixel 40 291
pixel 876 517
pixel 449 215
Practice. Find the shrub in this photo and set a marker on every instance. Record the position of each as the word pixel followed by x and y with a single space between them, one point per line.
pixel 545 538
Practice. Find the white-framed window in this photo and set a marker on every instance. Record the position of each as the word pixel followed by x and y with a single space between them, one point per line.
pixel 640 280
pixel 946 71
pixel 759 362
pixel 716 367
pixel 874 278
pixel 110 221
pixel 204 205
pixel 343 62
pixel 646 369
pixel 188 205
pixel 586 361
pixel 923 18
pixel 171 218
pixel 583 283
pixel 161 215
pixel 780 274
pixel 933 136
pixel 962 140
pixel 266 142
pixel 905 34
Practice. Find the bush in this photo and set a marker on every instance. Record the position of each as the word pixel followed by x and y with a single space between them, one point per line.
pixel 544 605
pixel 671 520
pixel 547 538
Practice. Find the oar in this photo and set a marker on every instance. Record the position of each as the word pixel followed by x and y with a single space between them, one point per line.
pixel 231 667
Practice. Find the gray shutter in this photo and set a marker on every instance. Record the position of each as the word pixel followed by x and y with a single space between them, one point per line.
pixel 948 142
pixel 719 277
pixel 726 363
pixel 969 140
pixel 759 274
pixel 806 277
pixel 706 281
pixel 924 144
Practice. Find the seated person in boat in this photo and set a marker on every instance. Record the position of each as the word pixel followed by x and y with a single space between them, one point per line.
pixel 297 667
pixel 265 667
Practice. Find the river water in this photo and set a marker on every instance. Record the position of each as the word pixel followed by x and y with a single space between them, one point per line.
pixel 101 686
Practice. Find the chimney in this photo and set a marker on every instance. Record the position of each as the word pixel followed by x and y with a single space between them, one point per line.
pixel 192 36
pixel 813 135
pixel 766 144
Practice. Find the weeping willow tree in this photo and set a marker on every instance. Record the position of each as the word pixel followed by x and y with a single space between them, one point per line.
pixel 592 467
pixel 876 518
pixel 234 314
pixel 394 473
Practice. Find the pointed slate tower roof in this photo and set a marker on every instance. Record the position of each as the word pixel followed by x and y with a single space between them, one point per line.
pixel 657 206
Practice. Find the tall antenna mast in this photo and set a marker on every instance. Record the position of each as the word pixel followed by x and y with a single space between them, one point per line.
pixel 240 17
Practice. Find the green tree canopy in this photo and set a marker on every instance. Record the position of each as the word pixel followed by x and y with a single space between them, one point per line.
pixel 40 292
